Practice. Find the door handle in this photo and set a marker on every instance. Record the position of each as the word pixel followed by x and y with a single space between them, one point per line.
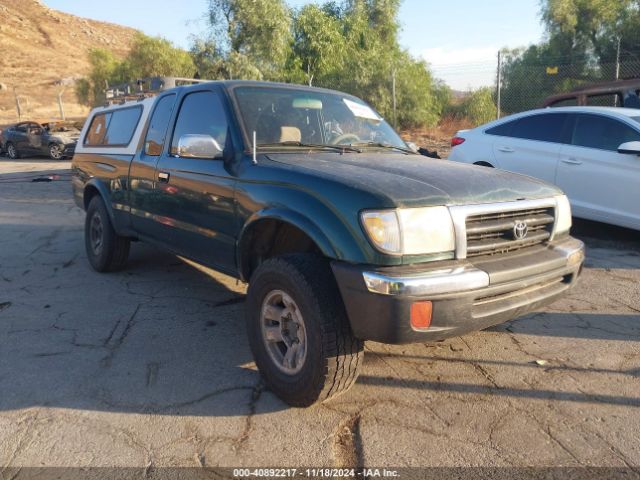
pixel 572 161
pixel 506 149
pixel 163 177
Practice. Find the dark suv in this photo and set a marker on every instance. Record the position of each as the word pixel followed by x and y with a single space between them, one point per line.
pixel 342 232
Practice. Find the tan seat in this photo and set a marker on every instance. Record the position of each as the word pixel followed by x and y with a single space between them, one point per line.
pixel 290 134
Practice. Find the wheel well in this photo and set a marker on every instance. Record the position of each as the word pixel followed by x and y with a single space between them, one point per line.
pixel 89 193
pixel 269 238
pixel 484 164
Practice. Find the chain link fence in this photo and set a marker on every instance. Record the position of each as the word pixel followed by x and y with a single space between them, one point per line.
pixel 523 87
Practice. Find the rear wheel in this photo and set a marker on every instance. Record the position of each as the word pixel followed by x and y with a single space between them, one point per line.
pixel 12 151
pixel 299 332
pixel 106 250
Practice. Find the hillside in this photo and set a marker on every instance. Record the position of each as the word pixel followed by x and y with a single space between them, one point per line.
pixel 42 51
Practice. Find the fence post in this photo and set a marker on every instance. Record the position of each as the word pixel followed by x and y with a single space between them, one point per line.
pixel 60 105
pixel 18 106
pixel 498 83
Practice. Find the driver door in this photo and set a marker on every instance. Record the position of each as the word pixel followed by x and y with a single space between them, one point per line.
pixel 34 137
pixel 194 207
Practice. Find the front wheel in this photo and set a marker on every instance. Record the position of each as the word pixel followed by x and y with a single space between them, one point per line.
pixel 106 250
pixel 299 332
pixel 55 152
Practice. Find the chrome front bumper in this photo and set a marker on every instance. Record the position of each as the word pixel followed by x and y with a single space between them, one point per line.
pixel 456 279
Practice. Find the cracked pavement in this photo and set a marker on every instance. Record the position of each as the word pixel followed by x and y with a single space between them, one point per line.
pixel 150 367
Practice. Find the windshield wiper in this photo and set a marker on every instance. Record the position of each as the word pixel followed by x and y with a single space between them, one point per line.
pixel 342 148
pixel 384 145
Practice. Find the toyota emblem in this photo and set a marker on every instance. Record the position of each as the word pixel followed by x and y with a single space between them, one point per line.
pixel 520 230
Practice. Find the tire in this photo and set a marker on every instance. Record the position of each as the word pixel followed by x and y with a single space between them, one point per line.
pixel 106 250
pixel 55 152
pixel 12 151
pixel 331 355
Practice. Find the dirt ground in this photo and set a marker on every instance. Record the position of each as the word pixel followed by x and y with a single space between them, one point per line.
pixel 150 367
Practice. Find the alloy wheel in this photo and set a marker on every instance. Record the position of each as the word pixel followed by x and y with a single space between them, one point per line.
pixel 283 332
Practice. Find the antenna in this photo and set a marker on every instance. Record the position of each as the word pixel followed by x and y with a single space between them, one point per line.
pixel 255 161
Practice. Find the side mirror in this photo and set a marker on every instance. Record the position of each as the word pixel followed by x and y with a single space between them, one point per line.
pixel 631 148
pixel 198 146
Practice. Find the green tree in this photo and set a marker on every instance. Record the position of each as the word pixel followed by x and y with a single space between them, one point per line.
pixel 318 44
pixel 154 56
pixel 252 35
pixel 105 67
pixel 350 45
pixel 587 24
pixel 148 57
pixel 373 57
pixel 478 106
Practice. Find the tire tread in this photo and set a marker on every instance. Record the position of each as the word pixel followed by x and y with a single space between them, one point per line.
pixel 116 246
pixel 341 350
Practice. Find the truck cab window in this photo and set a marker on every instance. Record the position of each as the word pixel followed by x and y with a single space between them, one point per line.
pixel 201 113
pixel 154 141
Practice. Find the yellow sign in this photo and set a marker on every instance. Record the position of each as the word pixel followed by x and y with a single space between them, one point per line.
pixel 552 70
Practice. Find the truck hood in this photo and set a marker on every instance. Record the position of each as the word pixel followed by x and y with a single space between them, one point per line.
pixel 409 181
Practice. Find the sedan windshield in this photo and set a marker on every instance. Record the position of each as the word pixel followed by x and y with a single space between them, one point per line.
pixel 298 118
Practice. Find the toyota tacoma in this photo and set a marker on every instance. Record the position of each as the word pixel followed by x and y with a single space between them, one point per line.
pixel 343 232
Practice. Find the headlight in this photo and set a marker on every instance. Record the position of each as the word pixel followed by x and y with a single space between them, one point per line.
pixel 410 231
pixel 563 215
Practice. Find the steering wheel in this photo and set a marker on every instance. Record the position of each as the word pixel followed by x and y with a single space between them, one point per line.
pixel 340 139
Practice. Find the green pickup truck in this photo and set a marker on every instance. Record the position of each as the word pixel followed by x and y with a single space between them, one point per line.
pixel 343 233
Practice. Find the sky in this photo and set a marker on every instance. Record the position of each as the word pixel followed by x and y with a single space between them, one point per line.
pixel 459 38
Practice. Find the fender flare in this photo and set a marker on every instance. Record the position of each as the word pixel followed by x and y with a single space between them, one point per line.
pixel 104 194
pixel 298 220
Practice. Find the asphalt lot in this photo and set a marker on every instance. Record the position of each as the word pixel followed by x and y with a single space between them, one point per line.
pixel 150 367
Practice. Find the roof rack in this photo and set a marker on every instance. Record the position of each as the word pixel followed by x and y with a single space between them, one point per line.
pixel 145 87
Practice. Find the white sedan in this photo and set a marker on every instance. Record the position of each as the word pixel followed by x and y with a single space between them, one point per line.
pixel 592 153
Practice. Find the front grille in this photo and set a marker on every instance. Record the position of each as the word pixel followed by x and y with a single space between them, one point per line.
pixel 493 233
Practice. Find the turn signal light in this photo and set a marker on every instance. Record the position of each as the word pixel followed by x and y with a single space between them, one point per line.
pixel 455 141
pixel 421 315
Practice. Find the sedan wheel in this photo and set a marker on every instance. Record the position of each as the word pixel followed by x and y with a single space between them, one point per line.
pixel 12 152
pixel 55 152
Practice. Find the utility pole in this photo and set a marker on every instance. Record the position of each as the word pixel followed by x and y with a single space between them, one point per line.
pixel 615 97
pixel 499 83
pixel 618 60
pixel 393 92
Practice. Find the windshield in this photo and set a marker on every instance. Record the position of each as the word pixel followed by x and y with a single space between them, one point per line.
pixel 637 119
pixel 292 117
